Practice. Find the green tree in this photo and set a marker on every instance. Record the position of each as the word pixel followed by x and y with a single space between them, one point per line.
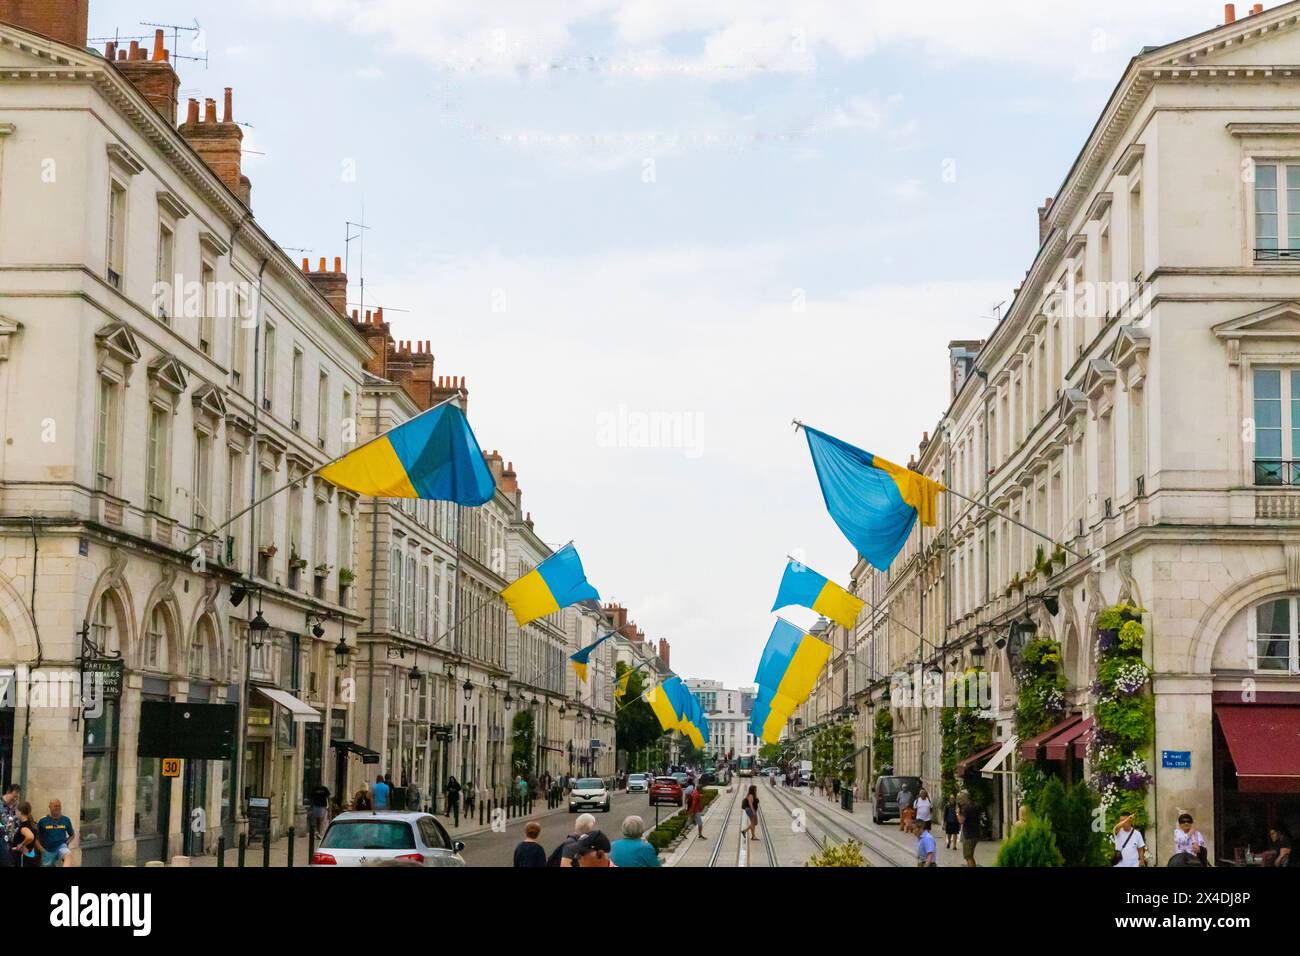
pixel 524 743
pixel 770 753
pixel 1031 843
pixel 1070 814
pixel 636 726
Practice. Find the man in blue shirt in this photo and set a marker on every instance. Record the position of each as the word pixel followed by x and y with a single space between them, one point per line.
pixel 632 850
pixel 56 835
pixel 381 794
pixel 924 843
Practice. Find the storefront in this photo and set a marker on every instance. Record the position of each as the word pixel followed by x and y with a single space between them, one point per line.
pixel 1256 771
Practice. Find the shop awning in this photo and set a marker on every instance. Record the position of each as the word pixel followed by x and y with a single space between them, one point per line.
pixel 977 757
pixel 1029 749
pixel 1264 741
pixel 365 753
pixel 302 712
pixel 1000 758
pixel 1058 748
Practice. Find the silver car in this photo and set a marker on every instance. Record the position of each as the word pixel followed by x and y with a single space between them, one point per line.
pixel 589 793
pixel 638 783
pixel 384 838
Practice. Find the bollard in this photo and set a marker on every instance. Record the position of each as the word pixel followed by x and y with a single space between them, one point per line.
pixel 311 842
pixel 480 814
pixel 290 846
pixel 266 849
pixel 455 812
pixel 243 846
pixel 221 850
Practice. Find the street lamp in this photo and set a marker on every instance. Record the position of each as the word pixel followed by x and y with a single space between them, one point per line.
pixel 413 679
pixel 468 688
pixel 978 651
pixel 341 652
pixel 509 701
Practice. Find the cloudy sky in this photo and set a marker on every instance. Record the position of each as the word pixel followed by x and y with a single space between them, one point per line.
pixel 633 220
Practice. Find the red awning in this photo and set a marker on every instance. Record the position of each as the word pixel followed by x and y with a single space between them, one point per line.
pixel 1264 741
pixel 977 757
pixel 1058 748
pixel 1029 749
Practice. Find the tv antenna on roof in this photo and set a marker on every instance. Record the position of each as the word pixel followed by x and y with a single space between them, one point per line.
pixel 359 234
pixel 198 46
pixel 997 311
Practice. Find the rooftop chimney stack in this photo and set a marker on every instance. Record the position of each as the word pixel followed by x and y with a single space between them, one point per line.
pixel 219 144
pixel 1229 13
pixel 64 20
pixel 153 76
pixel 333 285
pixel 1044 226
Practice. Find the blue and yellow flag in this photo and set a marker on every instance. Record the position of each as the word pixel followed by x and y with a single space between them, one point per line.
pixel 433 456
pixel 786 675
pixel 620 685
pixel 874 502
pixel 579 660
pixel 555 583
pixel 803 586
pixel 662 707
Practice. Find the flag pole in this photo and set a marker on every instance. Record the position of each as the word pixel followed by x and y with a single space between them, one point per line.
pixel 979 504
pixel 303 477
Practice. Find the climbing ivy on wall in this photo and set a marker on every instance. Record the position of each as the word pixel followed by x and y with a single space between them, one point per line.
pixel 1123 715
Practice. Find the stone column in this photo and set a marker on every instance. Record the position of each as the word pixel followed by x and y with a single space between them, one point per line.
pixel 1184 721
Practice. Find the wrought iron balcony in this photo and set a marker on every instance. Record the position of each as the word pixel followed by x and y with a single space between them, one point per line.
pixel 1272 471
pixel 1277 255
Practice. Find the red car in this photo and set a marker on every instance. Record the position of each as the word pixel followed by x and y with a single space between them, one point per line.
pixel 665 790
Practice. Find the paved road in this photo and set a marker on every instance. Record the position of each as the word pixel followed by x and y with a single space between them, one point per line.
pixel 498 849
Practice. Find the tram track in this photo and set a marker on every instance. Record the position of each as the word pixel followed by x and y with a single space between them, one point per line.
pixel 834 830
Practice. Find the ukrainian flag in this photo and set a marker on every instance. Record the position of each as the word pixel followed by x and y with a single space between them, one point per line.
pixel 787 672
pixel 620 685
pixel 874 502
pixel 805 587
pixel 663 708
pixel 433 456
pixel 555 583
pixel 580 659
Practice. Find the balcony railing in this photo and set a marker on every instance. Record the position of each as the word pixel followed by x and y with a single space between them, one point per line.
pixel 1277 472
pixel 1277 255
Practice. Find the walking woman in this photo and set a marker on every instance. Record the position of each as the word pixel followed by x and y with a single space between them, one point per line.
pixel 951 827
pixel 751 811
pixel 26 847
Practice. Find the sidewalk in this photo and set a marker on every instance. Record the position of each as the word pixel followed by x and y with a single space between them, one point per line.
pixel 253 855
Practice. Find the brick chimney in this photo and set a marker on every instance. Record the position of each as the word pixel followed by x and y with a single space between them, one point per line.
pixel 1044 227
pixel 617 615
pixel 446 387
pixel 509 483
pixel 663 653
pixel 64 20
pixel 153 75
pixel 332 285
pixel 374 330
pixel 218 143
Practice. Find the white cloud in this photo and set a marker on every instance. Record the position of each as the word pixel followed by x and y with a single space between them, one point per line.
pixel 736 38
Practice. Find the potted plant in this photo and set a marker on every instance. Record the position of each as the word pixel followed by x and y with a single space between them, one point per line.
pixel 1058 557
pixel 1042 564
pixel 346 576
pixel 1016 584
pixel 296 561
pixel 322 570
pixel 268 550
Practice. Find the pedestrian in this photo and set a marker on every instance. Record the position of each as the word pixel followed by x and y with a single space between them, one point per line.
pixel 530 853
pixel 592 850
pixel 9 812
pixel 1130 848
pixel 468 793
pixel 923 807
pixel 564 854
pixel 380 792
pixel 1189 840
pixel 633 850
pixel 751 812
pixel 951 827
pixel 695 811
pixel 319 803
pixel 362 799
pixel 968 816
pixel 687 789
pixel 523 789
pixel 453 793
pixel 26 845
pixel 56 835
pixel 1280 844
pixel 905 811
pixel 925 850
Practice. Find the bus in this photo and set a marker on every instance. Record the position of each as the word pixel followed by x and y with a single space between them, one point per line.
pixel 745 767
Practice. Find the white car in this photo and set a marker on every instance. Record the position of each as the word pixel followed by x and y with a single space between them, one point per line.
pixel 383 838
pixel 589 793
pixel 638 783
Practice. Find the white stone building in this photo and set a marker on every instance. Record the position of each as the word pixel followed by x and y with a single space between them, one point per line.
pixel 139 413
pixel 1135 404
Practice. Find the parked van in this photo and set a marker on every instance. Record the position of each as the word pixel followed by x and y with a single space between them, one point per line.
pixel 884 806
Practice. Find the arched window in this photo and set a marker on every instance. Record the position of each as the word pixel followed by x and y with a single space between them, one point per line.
pixel 1274 645
pixel 200 649
pixel 102 630
pixel 155 639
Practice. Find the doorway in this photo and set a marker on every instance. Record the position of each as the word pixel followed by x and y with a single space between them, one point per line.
pixel 152 806
pixel 195 797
